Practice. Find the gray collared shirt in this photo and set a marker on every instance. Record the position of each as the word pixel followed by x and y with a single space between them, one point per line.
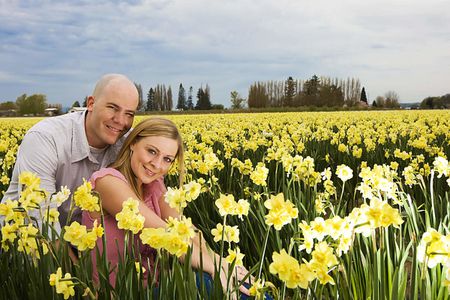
pixel 57 150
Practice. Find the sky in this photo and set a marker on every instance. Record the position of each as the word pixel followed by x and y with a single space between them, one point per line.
pixel 61 48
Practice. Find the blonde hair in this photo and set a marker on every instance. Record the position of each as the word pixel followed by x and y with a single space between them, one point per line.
pixel 148 127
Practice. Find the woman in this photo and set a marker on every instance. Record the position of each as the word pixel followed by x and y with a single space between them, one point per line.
pixel 145 158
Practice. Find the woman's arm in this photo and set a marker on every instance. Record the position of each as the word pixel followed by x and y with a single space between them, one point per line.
pixel 114 191
pixel 209 259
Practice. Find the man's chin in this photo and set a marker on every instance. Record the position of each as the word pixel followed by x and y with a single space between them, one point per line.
pixel 112 139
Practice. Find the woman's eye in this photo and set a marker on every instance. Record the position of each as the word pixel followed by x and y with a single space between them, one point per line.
pixel 151 151
pixel 168 160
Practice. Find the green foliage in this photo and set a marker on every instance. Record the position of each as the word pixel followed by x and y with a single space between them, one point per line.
pixel 389 100
pixel 85 101
pixel 31 105
pixel 217 107
pixel 203 99
pixel 330 95
pixel 315 92
pixel 159 98
pixel 190 103
pixel 436 102
pixel 237 102
pixel 257 96
pixel 363 95
pixel 8 105
pixel 289 92
pixel 150 100
pixel 181 104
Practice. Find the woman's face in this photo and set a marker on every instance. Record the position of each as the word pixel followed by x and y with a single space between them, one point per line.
pixel 152 157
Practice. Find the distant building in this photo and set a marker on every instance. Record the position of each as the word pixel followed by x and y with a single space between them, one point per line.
pixel 8 113
pixel 75 109
pixel 361 104
pixel 51 111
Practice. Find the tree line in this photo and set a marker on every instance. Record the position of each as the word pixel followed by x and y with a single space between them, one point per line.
pixel 436 102
pixel 314 92
pixel 323 91
pixel 33 105
pixel 161 98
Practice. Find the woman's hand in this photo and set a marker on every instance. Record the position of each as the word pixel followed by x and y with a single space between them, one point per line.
pixel 237 276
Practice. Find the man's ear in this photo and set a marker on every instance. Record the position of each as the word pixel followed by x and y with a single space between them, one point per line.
pixel 90 103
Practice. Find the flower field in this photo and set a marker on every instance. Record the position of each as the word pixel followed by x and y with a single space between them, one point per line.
pixel 335 205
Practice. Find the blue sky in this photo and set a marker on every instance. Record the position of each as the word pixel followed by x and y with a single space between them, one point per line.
pixel 60 48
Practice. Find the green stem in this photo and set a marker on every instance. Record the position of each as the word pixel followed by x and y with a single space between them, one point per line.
pixel 264 253
pixel 342 192
pixel 432 199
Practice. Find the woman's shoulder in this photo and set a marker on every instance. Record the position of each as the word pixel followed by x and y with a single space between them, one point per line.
pixel 156 186
pixel 155 189
pixel 105 172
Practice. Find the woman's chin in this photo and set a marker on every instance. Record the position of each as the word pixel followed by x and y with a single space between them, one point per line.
pixel 148 180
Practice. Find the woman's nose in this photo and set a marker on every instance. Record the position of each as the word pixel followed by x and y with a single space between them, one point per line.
pixel 157 162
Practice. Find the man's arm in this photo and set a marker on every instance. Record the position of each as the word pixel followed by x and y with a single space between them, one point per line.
pixel 37 153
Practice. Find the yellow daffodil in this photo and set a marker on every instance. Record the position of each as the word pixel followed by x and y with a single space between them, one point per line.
pixel 84 199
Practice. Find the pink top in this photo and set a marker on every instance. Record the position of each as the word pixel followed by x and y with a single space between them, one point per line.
pixel 152 194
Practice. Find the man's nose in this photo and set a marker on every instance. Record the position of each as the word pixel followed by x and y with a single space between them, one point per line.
pixel 120 118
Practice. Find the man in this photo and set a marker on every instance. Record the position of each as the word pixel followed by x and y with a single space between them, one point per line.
pixel 65 149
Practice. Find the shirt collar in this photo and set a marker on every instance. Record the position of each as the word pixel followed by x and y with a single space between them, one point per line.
pixel 80 145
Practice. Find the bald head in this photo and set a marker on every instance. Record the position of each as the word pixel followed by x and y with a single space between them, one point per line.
pixel 112 79
pixel 111 110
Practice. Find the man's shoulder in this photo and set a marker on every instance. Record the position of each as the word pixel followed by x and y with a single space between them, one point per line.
pixel 59 124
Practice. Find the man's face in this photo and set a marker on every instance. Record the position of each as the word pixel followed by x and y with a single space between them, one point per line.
pixel 111 113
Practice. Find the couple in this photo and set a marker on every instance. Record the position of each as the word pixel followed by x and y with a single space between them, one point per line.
pixel 96 144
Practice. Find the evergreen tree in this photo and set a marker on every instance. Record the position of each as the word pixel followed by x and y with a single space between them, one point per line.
pixel 311 90
pixel 85 101
pixel 200 98
pixel 190 104
pixel 363 95
pixel 150 100
pixel 203 99
pixel 169 99
pixel 76 104
pixel 181 104
pixel 289 92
